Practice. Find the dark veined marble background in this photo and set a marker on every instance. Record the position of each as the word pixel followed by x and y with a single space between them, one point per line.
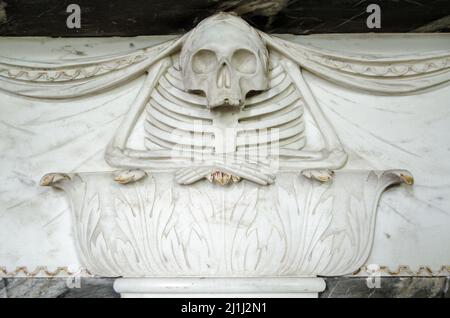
pixel 144 17
pixel 337 287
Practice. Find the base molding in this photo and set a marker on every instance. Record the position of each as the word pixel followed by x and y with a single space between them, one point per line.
pixel 220 287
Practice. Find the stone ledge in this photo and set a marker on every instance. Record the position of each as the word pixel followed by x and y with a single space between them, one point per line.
pixel 337 287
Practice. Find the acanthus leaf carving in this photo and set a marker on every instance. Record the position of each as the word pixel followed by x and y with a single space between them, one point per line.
pixel 303 228
pixel 242 115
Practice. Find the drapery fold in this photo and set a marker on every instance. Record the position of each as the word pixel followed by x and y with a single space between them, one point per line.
pixel 62 80
pixel 377 74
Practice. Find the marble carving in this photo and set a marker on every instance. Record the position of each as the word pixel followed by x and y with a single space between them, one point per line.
pixel 226 164
pixel 155 227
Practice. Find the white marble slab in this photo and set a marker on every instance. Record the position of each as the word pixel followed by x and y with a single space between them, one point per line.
pixel 378 132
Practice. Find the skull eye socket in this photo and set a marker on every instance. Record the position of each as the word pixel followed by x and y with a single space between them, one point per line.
pixel 204 61
pixel 244 61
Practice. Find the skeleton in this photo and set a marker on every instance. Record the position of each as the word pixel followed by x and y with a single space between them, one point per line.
pixel 199 113
pixel 225 101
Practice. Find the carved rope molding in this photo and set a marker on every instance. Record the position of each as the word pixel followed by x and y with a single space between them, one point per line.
pixel 67 74
pixel 378 68
pixel 43 271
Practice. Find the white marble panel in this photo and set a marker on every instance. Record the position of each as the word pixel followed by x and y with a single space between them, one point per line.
pixel 378 132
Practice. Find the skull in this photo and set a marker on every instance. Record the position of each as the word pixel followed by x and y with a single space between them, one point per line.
pixel 224 58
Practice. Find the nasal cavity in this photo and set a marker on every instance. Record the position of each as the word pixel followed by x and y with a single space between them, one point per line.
pixel 223 76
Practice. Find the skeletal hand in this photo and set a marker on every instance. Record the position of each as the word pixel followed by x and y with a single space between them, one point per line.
pixel 322 175
pixel 235 168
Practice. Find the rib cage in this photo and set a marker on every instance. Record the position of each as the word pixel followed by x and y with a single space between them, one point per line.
pixel 176 119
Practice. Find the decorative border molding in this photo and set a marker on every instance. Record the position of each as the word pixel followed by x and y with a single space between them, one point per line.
pixel 68 73
pixel 63 271
pixel 395 68
pixel 403 270
pixel 43 271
